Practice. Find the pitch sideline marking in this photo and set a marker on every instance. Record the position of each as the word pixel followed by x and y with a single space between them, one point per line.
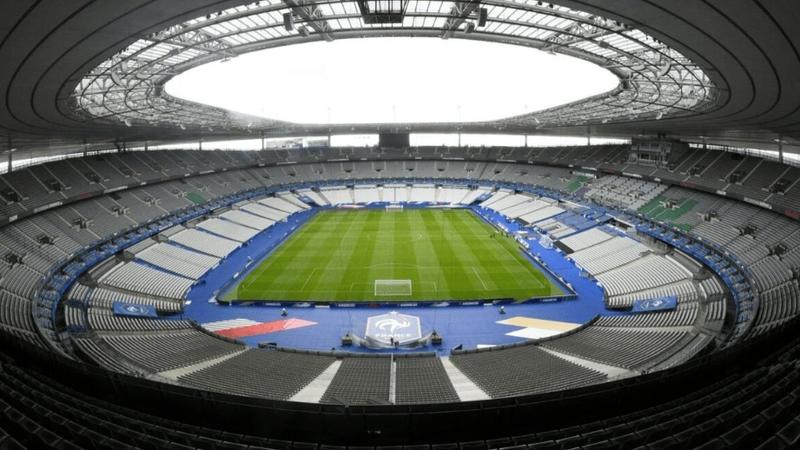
pixel 480 279
pixel 308 279
pixel 540 285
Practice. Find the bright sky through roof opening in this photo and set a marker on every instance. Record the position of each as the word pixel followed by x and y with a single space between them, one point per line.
pixel 385 80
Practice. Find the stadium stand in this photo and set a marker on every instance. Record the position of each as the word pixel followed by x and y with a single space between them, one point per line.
pixel 177 260
pixel 266 212
pixel 260 373
pixel 103 320
pixel 109 242
pixel 227 230
pixel 587 239
pixel 361 379
pixel 626 192
pixel 168 349
pixel 617 347
pixel 527 370
pixel 644 273
pixel 104 297
pixel 246 219
pixel 366 194
pixel 142 347
pixel 205 242
pixel 422 379
pixel 137 278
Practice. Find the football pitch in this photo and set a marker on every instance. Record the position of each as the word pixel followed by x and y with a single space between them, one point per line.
pixel 394 256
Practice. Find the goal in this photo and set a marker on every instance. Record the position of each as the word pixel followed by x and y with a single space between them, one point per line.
pixel 394 208
pixel 384 288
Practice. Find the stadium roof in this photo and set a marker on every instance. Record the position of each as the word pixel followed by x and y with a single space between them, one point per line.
pixel 94 70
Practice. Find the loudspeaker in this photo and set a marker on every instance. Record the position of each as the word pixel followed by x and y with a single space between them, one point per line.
pixel 483 14
pixel 288 21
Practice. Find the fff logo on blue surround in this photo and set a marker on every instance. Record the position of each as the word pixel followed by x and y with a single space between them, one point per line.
pixel 393 326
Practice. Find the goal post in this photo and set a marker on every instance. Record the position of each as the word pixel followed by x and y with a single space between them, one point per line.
pixel 394 208
pixel 386 288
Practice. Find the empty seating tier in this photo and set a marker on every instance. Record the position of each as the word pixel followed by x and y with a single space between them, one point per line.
pixel 615 347
pixel 522 370
pixel 168 350
pixel 361 380
pixel 261 373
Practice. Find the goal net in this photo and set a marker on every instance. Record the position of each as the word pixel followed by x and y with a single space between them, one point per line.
pixel 392 288
pixel 395 208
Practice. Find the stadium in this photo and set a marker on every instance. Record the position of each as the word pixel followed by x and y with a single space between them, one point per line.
pixel 399 224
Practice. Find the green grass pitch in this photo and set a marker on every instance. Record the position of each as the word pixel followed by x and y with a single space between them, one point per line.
pixel 446 254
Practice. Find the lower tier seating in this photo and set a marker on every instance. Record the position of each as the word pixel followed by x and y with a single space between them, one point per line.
pixel 616 347
pixel 525 369
pixel 260 373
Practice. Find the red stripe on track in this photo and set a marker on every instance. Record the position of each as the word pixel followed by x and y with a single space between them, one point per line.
pixel 265 328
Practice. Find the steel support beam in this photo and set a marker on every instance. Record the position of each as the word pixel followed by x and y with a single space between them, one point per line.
pixel 458 15
pixel 10 155
pixel 311 14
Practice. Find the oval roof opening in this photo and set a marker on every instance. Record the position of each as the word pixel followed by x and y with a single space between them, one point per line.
pixel 392 80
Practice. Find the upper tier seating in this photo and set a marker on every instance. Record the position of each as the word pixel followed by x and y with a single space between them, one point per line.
pixel 39 185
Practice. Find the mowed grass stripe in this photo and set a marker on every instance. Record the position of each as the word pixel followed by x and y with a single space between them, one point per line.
pixel 429 282
pixel 456 259
pixel 461 283
pixel 278 268
pixel 509 271
pixel 293 266
pixel 337 254
pixel 491 272
pixel 494 270
pixel 447 254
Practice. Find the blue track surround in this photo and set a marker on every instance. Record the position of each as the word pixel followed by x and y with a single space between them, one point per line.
pixel 468 326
